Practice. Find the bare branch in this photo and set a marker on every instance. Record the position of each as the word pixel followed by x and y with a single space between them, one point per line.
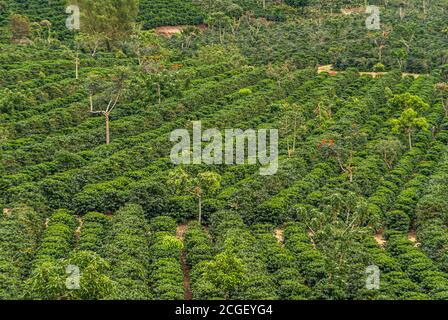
pixel 108 105
pixel 115 103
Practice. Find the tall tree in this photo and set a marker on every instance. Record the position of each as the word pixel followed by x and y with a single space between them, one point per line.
pixel 389 149
pixel 20 27
pixel 113 20
pixel 343 148
pixel 109 91
pixel 47 25
pixel 408 123
pixel 74 54
pixel 201 185
pixel 291 123
pixel 443 89
pixel 220 21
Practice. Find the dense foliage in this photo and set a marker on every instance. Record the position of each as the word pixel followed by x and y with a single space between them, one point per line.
pixel 94 208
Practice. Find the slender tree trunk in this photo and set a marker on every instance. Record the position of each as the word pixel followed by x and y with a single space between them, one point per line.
pixel 107 128
pixel 77 66
pixel 91 102
pixel 350 167
pixel 200 209
pixel 388 163
pixel 410 139
pixel 295 136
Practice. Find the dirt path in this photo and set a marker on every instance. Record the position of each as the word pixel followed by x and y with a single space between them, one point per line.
pixel 78 230
pixel 355 10
pixel 329 69
pixel 180 232
pixel 7 212
pixel 279 235
pixel 379 238
pixel 169 31
pixel 326 68
pixel 412 236
pixel 311 236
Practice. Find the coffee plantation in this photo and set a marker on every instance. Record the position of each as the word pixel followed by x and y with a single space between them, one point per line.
pixel 92 207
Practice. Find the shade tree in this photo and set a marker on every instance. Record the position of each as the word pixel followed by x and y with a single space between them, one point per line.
pixel 111 21
pixel 200 185
pixel 408 123
pixel 113 90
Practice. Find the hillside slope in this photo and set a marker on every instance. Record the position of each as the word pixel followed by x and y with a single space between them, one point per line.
pixel 363 157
